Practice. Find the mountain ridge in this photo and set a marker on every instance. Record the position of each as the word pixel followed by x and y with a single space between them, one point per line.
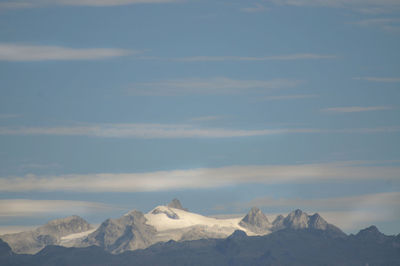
pixel 137 230
pixel 305 246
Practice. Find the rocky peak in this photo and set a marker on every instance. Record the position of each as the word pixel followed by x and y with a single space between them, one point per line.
pixel 128 232
pixel 296 220
pixel 64 226
pixel 317 222
pixel 256 221
pixel 277 224
pixel 175 203
pixel 238 234
pixel 371 233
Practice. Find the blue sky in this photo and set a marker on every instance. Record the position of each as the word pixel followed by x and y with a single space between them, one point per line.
pixel 112 105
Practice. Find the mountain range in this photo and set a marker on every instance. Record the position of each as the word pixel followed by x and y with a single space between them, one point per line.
pixel 171 235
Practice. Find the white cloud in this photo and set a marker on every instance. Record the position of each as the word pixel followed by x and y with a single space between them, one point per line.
pixel 290 97
pixel 209 86
pixel 147 131
pixel 95 3
pixel 171 131
pixel 28 208
pixel 15 4
pixel 201 178
pixel 7 116
pixel 289 57
pixel 20 52
pixel 368 201
pixel 392 129
pixel 39 166
pixel 387 24
pixel 207 118
pixel 358 4
pixel 379 79
pixel 12 229
pixel 253 9
pixel 355 109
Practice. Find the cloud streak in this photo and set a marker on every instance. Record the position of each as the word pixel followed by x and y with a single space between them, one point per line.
pixel 254 9
pixel 379 79
pixel 388 199
pixel 201 178
pixel 356 109
pixel 20 52
pixel 209 86
pixel 147 131
pixel 173 131
pixel 289 57
pixel 340 3
pixel 30 208
pixel 94 3
pixel 289 97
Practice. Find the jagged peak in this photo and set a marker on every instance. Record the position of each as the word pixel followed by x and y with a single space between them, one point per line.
pixel 238 234
pixel 255 221
pixel 372 230
pixel 66 220
pixel 278 218
pixel 254 216
pixel 317 222
pixel 176 204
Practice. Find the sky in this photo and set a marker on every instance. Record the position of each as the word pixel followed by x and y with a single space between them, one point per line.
pixel 113 105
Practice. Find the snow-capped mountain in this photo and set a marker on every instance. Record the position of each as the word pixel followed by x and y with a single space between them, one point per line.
pixel 52 233
pixel 136 230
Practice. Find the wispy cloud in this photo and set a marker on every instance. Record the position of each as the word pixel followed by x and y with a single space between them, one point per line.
pixel 386 24
pixel 356 109
pixel 201 178
pixel 209 86
pixel 377 200
pixel 379 79
pixel 289 57
pixel 94 3
pixel 254 9
pixel 147 131
pixel 15 4
pixel 365 6
pixel 7 116
pixel 289 97
pixel 27 208
pixel 20 52
pixel 39 166
pixel 206 118
pixel 171 131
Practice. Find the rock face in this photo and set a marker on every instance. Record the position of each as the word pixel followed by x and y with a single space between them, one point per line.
pixel 175 203
pixel 296 220
pixel 256 222
pixel 128 232
pixel 301 220
pixel 30 242
pixel 277 224
pixel 371 234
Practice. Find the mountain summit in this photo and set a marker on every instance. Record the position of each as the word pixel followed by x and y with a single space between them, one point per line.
pixel 175 203
pixel 30 242
pixel 256 221
pixel 300 220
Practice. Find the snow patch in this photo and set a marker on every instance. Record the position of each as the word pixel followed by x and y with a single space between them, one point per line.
pixel 161 219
